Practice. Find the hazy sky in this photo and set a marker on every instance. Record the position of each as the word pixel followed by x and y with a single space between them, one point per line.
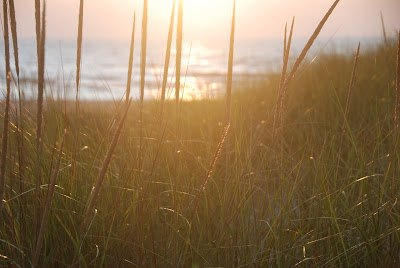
pixel 210 19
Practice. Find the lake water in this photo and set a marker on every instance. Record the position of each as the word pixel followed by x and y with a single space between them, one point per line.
pixel 204 66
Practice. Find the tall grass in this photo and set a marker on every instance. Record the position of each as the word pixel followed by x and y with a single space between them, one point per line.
pixel 384 30
pixel 350 92
pixel 13 24
pixel 299 60
pixel 230 66
pixel 229 82
pixel 323 198
pixel 142 80
pixel 37 27
pixel 79 47
pixel 104 168
pixel 130 66
pixel 279 109
pixel 397 101
pixel 4 141
pixel 49 201
pixel 20 116
pixel 39 117
pixel 77 92
pixel 167 57
pixel 178 64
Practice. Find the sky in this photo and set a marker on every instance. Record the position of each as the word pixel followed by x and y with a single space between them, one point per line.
pixel 210 20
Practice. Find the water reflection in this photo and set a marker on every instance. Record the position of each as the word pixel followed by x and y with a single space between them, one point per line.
pixel 104 66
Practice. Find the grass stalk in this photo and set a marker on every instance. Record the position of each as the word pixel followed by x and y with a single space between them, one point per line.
pixel 384 30
pixel 13 24
pixel 49 200
pixel 139 209
pixel 179 38
pixel 284 69
pixel 167 57
pixel 142 80
pixel 37 24
pixel 77 83
pixel 164 87
pixel 350 92
pixel 303 54
pixel 209 171
pixel 4 142
pixel 79 47
pixel 130 67
pixel 397 105
pixel 20 116
pixel 39 117
pixel 230 67
pixel 286 53
pixel 347 108
pixel 229 82
pixel 104 168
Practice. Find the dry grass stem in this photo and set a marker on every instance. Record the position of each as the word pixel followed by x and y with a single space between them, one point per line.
pixel 4 143
pixel 179 38
pixel 210 169
pixel 230 67
pixel 37 24
pixel 130 67
pixel 279 107
pixel 20 113
pixel 77 83
pixel 49 200
pixel 104 168
pixel 286 54
pixel 178 65
pixel 299 60
pixel 229 83
pixel 142 79
pixel 39 117
pixel 167 56
pixel 350 92
pixel 79 46
pixel 384 30
pixel 13 24
pixel 397 105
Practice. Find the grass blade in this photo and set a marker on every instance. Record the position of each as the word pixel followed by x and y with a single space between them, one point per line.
pixel 13 24
pixel 230 67
pixel 350 92
pixel 142 78
pixel 104 168
pixel 49 200
pixel 179 39
pixel 397 105
pixel 129 79
pixel 4 143
pixel 299 60
pixel 79 46
pixel 229 81
pixel 39 116
pixel 77 82
pixel 210 170
pixel 384 31
pixel 167 56
pixel 37 20
pixel 20 116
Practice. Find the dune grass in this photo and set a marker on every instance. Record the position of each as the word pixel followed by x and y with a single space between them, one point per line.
pixel 323 198
pixel 6 114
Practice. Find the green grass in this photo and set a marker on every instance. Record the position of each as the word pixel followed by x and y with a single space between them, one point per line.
pixel 293 199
